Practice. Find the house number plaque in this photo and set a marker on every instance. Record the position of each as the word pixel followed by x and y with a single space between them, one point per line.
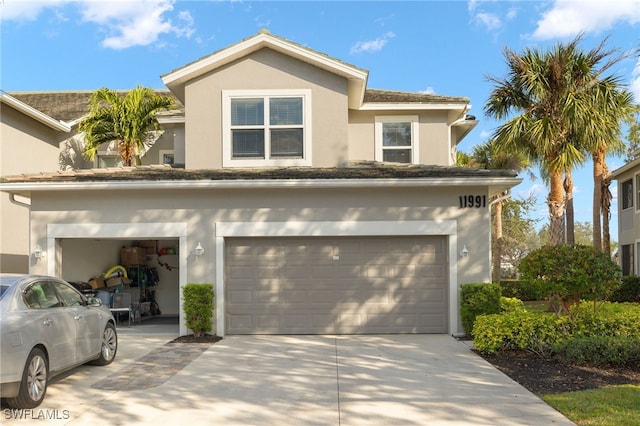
pixel 473 201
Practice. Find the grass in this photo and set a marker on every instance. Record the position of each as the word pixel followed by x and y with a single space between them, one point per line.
pixel 608 406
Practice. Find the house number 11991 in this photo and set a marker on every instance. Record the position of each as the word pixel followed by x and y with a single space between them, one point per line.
pixel 473 201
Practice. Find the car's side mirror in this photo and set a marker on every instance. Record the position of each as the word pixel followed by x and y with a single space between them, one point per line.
pixel 95 301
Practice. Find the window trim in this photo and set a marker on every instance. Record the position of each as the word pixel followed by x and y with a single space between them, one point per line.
pixel 415 137
pixel 101 155
pixel 227 151
pixel 162 153
pixel 623 196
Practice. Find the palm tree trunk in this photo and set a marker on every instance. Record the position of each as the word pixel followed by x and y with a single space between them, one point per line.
pixel 598 212
pixel 496 243
pixel 568 190
pixel 606 210
pixel 556 209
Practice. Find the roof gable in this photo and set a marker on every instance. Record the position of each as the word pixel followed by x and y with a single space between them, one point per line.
pixel 356 77
pixel 34 113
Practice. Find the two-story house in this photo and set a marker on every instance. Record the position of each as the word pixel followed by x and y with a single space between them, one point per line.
pixel 316 205
pixel 628 178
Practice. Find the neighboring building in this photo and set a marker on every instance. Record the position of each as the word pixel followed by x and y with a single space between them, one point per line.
pixel 628 177
pixel 321 206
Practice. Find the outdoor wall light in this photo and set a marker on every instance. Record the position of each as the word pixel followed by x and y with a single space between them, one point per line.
pixel 39 253
pixel 464 252
pixel 199 250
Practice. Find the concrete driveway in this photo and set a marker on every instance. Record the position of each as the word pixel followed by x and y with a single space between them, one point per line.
pixel 293 380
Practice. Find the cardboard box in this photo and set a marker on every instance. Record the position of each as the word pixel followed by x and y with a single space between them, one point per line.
pixel 149 246
pixel 111 282
pixel 133 256
pixel 97 282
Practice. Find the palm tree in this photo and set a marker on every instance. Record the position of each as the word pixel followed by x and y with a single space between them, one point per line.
pixel 126 119
pixel 552 94
pixel 488 156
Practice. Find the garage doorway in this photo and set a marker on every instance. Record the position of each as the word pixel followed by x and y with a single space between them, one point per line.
pixel 337 285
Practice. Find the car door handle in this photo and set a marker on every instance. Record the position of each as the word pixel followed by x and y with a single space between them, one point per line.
pixel 47 322
pixel 77 317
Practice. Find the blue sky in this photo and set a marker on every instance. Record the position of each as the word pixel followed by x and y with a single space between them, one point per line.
pixel 442 47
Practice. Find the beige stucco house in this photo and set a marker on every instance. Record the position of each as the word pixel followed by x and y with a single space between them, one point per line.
pixel 321 206
pixel 628 178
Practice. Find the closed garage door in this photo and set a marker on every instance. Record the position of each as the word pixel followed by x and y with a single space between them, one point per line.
pixel 346 285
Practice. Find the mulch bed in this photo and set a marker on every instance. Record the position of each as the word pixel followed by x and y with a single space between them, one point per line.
pixel 544 376
pixel 190 338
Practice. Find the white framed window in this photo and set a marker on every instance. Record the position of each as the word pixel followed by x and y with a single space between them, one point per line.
pixel 626 194
pixel 266 128
pixel 396 139
pixel 166 156
pixel 108 159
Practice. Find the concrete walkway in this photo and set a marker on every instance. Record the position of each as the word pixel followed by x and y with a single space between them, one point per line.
pixel 293 380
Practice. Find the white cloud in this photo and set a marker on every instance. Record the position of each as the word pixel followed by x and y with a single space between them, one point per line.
pixel 126 23
pixel 372 45
pixel 485 134
pixel 428 91
pixel 489 20
pixel 568 18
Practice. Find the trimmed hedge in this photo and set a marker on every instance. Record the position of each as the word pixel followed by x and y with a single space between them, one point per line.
pixel 601 350
pixel 541 332
pixel 478 299
pixel 627 291
pixel 198 307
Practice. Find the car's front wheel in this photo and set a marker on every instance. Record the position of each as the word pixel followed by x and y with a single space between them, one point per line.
pixel 109 346
pixel 33 386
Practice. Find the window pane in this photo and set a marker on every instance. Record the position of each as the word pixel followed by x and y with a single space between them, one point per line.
pixel 638 192
pixel 286 143
pixel 396 134
pixel 397 155
pixel 248 143
pixel 109 161
pixel 627 194
pixel 247 112
pixel 285 111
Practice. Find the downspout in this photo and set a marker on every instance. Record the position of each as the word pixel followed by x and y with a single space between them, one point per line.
pixel 504 197
pixel 12 198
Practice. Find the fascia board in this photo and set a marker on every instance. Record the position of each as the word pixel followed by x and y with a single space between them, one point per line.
pixel 251 45
pixel 413 106
pixel 625 168
pixel 27 187
pixel 34 113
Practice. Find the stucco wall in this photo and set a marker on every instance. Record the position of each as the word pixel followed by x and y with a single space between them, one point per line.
pixel 21 138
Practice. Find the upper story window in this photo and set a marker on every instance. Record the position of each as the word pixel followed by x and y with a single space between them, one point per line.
pixel 638 192
pixel 396 139
pixel 627 194
pixel 105 159
pixel 266 128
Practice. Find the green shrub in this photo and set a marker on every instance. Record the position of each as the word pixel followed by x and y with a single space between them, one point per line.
pixel 517 330
pixel 569 273
pixel 541 332
pixel 601 350
pixel 627 291
pixel 198 307
pixel 520 289
pixel 478 299
pixel 510 304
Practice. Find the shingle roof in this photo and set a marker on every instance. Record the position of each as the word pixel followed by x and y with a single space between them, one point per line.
pixel 68 105
pixel 356 170
pixel 398 97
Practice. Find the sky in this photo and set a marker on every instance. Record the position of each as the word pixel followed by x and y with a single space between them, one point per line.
pixel 441 47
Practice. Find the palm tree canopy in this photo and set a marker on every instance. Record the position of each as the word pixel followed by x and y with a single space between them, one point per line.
pixel 553 94
pixel 127 119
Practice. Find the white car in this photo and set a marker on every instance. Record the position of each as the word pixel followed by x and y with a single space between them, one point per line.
pixel 47 327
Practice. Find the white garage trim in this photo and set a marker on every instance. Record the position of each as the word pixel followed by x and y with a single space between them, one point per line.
pixel 339 228
pixel 129 231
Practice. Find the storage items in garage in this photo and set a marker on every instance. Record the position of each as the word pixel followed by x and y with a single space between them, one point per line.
pixel 133 256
